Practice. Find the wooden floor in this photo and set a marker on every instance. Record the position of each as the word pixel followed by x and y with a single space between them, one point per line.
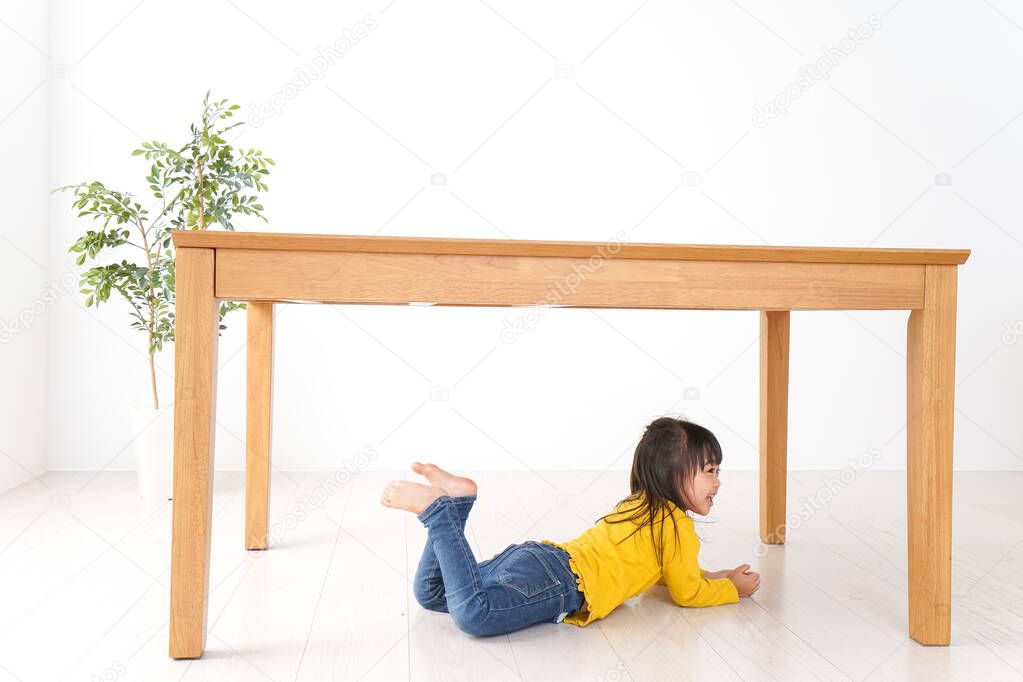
pixel 84 573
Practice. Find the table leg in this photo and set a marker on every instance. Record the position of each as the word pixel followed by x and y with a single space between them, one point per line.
pixel 930 389
pixel 258 397
pixel 195 404
pixel 774 415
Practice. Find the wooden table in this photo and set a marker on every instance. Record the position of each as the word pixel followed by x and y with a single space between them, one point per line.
pixel 269 268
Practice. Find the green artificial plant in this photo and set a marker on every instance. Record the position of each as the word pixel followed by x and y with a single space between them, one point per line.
pixel 201 184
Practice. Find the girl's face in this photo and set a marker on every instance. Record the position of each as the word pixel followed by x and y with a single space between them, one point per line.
pixel 700 491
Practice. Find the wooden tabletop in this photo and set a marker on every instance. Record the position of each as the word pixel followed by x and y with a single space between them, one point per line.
pixel 279 241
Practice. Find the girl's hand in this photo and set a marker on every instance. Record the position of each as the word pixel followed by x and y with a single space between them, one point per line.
pixel 746 581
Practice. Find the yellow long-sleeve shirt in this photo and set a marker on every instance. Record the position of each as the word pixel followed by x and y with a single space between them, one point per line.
pixel 609 570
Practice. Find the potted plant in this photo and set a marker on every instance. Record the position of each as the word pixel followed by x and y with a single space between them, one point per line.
pixel 201 184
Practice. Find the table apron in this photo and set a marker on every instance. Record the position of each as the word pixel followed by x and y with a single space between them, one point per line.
pixel 595 282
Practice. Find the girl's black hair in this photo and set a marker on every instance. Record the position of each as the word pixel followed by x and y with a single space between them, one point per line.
pixel 670 452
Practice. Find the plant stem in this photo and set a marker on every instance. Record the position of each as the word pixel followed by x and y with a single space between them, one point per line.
pixel 152 374
pixel 152 315
pixel 202 199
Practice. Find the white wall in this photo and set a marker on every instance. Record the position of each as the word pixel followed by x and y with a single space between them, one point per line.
pixel 652 133
pixel 27 293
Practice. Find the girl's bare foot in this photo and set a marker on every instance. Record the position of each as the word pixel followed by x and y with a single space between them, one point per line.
pixel 413 497
pixel 455 486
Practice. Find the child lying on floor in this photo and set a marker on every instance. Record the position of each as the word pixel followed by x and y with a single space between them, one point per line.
pixel 674 471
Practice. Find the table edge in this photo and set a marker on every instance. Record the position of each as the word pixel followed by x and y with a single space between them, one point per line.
pixel 281 241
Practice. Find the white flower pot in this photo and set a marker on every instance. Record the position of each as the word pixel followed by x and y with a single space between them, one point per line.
pixel 153 446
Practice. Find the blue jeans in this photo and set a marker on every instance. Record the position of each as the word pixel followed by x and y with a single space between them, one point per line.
pixel 524 584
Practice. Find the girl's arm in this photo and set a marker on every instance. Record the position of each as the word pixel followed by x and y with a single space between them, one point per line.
pixel 715 575
pixel 687 583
